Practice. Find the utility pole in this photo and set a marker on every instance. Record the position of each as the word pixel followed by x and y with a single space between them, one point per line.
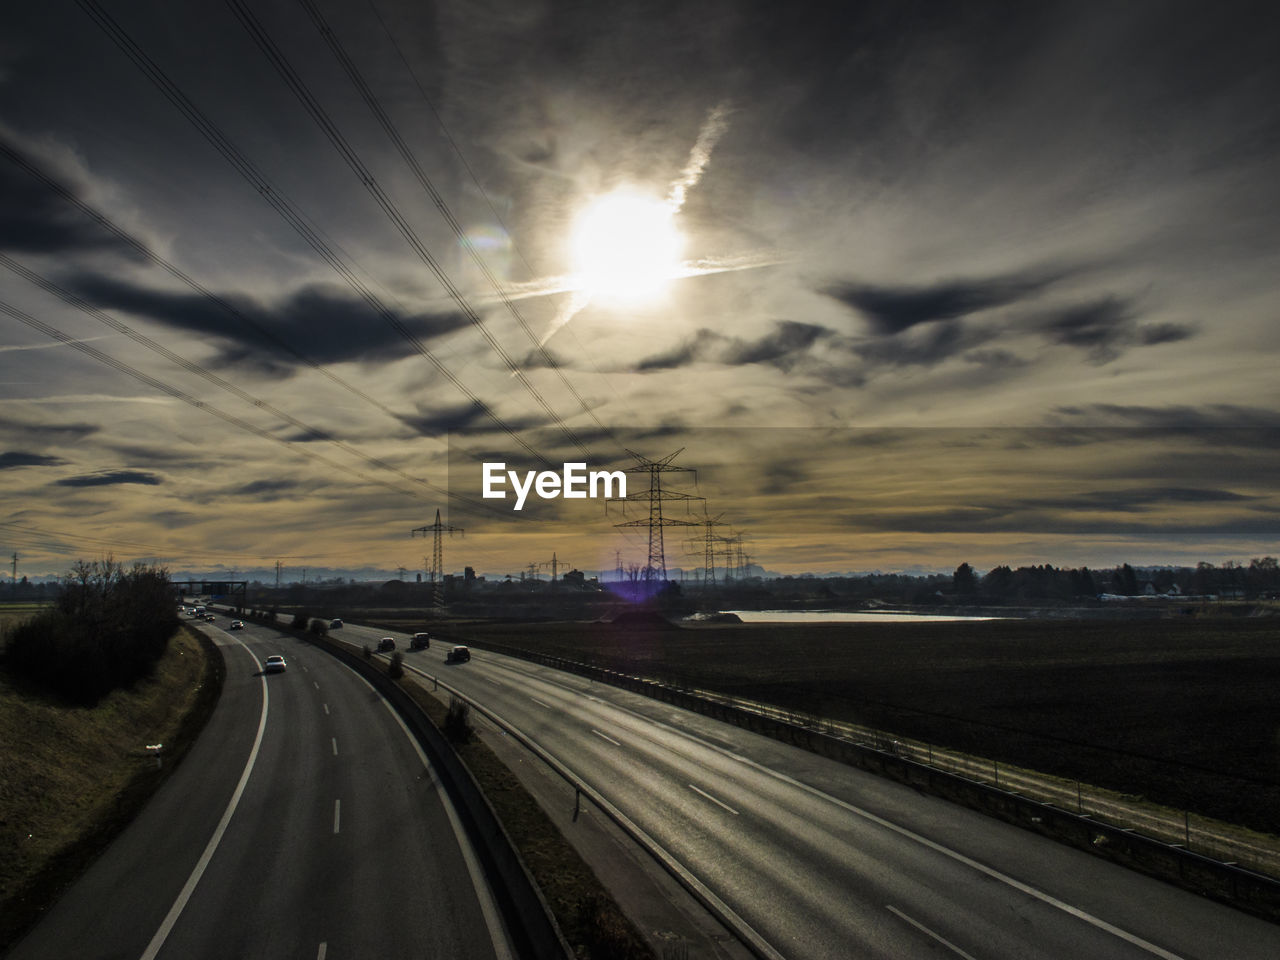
pixel 656 567
pixel 437 556
pixel 279 569
pixel 15 571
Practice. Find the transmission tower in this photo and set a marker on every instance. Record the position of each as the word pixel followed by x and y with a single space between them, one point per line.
pixel 656 568
pixel 437 556
pixel 709 540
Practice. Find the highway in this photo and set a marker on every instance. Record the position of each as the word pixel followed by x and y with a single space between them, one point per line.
pixel 819 860
pixel 303 823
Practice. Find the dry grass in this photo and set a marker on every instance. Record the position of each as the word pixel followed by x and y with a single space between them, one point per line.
pixel 72 776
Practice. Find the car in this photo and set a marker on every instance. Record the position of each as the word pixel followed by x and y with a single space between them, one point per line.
pixel 420 641
pixel 236 625
pixel 458 655
pixel 274 664
pixel 385 644
pixel 335 624
pixel 210 617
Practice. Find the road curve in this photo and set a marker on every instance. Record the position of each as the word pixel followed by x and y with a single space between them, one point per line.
pixel 825 861
pixel 303 823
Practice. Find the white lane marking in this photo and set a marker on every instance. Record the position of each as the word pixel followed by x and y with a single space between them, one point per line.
pixel 326 709
pixel 991 872
pixel 317 685
pixel 496 683
pixel 202 864
pixel 541 704
pixel 488 906
pixel 324 948
pixel 714 800
pixel 305 670
pixel 335 745
pixel 925 930
pixel 337 815
pixel 605 737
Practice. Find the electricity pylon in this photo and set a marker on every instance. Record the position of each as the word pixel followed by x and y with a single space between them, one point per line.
pixel 437 556
pixel 656 567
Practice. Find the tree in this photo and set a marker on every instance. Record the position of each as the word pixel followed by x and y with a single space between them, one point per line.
pixel 964 580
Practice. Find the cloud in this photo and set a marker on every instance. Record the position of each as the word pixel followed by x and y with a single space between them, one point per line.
pixel 891 310
pixel 460 418
pixel 35 219
pixel 783 347
pixel 18 459
pixel 111 478
pixel 327 324
pixel 1208 420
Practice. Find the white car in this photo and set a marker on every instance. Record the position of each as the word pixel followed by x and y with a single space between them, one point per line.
pixel 274 664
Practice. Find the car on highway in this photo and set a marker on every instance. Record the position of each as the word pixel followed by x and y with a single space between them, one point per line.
pixel 335 624
pixel 458 654
pixel 385 644
pixel 210 617
pixel 420 641
pixel 236 625
pixel 274 664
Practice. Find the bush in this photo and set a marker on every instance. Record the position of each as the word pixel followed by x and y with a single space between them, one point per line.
pixel 106 630
pixel 395 669
pixel 368 653
pixel 457 721
pixel 319 627
pixel 299 621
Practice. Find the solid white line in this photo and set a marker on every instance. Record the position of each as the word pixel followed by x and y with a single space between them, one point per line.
pixel 488 906
pixel 202 864
pixel 337 815
pixel 335 745
pixel 604 737
pixel 326 709
pixel 714 800
pixel 541 704
pixel 925 930
pixel 324 948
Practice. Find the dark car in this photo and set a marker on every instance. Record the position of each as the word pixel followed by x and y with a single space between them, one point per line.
pixel 335 624
pixel 458 655
pixel 420 641
pixel 385 644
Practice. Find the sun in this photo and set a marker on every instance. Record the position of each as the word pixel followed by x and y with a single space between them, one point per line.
pixel 626 248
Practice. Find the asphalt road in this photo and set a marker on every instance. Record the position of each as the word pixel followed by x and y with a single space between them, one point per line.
pixel 824 861
pixel 304 823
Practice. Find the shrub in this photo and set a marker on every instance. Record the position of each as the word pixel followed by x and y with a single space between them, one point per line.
pixel 299 621
pixel 106 630
pixel 457 721
pixel 395 669
pixel 319 627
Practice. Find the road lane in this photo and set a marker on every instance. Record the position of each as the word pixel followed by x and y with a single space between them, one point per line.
pixel 391 881
pixel 817 865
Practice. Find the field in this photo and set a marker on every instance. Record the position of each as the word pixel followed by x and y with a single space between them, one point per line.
pixel 1183 713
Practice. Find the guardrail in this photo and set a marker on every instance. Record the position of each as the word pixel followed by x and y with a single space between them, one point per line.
pixel 1228 882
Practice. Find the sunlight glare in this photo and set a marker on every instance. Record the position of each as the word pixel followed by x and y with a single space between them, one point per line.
pixel 626 247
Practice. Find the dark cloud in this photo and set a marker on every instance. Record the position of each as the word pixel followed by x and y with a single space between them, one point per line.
pixel 111 478
pixel 266 490
pixel 995 358
pixel 891 310
pixel 924 348
pixel 35 219
pixel 69 432
pixel 460 418
pixel 1105 328
pixel 17 458
pixel 783 347
pixel 325 323
pixel 1208 420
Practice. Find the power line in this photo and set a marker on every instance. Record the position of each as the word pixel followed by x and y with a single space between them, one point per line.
pixel 349 154
pixel 208 375
pixel 283 206
pixel 177 394
pixel 406 154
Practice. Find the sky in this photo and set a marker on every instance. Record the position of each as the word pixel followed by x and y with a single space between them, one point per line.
pixel 906 284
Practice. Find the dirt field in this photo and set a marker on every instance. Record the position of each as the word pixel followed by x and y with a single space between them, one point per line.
pixel 1180 712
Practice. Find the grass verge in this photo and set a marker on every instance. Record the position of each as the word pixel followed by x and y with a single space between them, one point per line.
pixel 72 777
